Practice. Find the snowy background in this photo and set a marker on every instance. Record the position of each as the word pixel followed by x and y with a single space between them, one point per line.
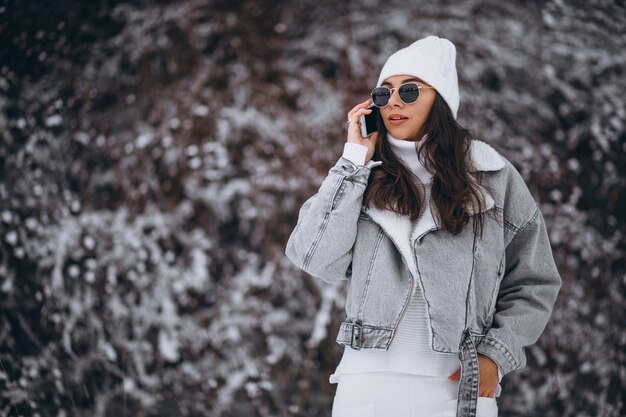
pixel 154 155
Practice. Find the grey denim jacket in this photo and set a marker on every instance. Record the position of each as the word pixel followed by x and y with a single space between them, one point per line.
pixel 492 296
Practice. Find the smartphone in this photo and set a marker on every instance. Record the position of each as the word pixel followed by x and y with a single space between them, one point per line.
pixel 369 122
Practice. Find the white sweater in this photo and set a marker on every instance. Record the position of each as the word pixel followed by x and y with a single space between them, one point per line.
pixel 410 350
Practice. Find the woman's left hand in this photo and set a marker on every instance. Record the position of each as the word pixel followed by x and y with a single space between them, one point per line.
pixel 488 371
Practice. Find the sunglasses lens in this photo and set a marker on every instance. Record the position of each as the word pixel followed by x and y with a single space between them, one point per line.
pixel 409 93
pixel 380 96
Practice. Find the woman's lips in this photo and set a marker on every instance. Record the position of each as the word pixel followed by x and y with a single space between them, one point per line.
pixel 398 122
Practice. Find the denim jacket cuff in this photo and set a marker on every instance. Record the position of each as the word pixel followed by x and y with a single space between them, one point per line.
pixel 500 354
pixel 352 171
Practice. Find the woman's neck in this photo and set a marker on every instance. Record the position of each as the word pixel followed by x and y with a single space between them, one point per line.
pixel 406 150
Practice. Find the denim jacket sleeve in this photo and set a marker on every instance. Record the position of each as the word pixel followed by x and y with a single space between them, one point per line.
pixel 322 240
pixel 529 286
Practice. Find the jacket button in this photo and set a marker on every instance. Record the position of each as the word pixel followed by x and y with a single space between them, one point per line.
pixel 469 379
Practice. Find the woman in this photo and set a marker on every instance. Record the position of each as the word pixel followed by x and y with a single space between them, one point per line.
pixel 449 266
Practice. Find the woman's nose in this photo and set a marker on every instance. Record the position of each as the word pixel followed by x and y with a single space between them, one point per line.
pixel 395 100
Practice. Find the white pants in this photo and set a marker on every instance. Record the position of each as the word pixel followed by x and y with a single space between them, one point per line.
pixel 401 395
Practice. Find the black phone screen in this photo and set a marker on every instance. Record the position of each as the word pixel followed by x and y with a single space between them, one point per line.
pixel 371 120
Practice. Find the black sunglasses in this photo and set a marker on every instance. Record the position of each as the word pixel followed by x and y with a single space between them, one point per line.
pixel 408 92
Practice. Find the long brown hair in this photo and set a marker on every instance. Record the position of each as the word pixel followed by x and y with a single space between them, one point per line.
pixel 446 153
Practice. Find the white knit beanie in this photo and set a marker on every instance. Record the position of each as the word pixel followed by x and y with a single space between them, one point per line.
pixel 433 59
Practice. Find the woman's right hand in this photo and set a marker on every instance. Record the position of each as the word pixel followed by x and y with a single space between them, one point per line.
pixel 354 129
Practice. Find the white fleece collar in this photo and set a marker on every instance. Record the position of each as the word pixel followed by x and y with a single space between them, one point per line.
pixel 400 228
pixel 484 157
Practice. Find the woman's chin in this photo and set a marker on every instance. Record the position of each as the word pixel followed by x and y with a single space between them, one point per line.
pixel 398 133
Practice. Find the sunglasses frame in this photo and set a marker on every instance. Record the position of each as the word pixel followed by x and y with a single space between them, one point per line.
pixel 419 89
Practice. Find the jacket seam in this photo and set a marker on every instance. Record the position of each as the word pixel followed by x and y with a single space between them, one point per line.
pixel 357 181
pixel 369 272
pixel 318 238
pixel 320 232
pixel 365 326
pixel 337 193
pixel 355 173
pixel 511 226
pixel 496 289
pixel 531 220
pixel 435 333
pixel 356 166
pixel 505 351
pixel 472 279
pixel 506 223
pixel 406 300
pixel 517 229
